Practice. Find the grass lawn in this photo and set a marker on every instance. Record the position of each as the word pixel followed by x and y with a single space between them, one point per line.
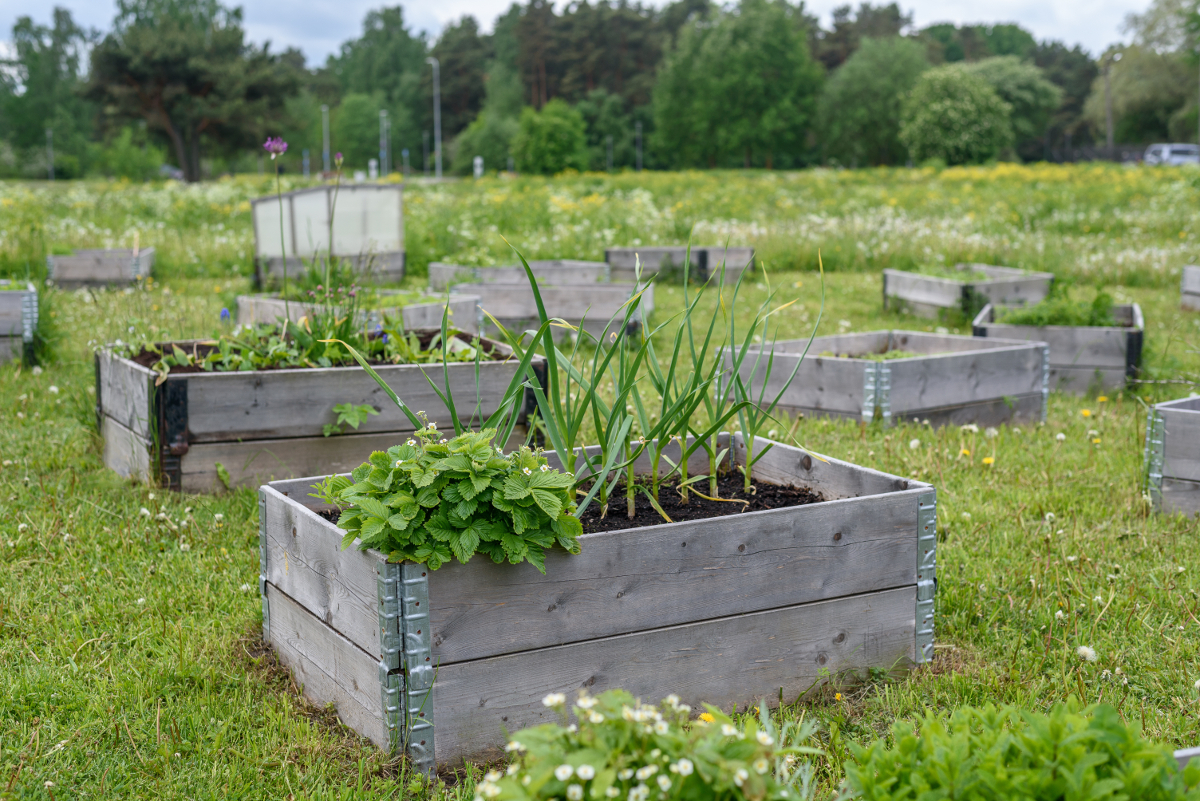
pixel 130 660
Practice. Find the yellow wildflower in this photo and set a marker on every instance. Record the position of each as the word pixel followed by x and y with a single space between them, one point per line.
pixel 837 696
pixel 1102 399
pixel 707 717
pixel 964 452
pixel 1086 412
pixel 988 460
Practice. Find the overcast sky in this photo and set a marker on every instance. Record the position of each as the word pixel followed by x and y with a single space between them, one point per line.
pixel 318 26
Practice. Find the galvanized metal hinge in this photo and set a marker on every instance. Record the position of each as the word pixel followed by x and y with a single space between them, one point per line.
pixel 29 316
pixel 1153 459
pixel 926 574
pixel 1045 381
pixel 262 565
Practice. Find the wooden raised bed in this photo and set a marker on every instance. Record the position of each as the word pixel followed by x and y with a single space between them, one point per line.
pixel 737 610
pixel 266 424
pixel 513 304
pixel 926 295
pixel 1189 288
pixel 953 380
pixel 465 312
pixel 18 320
pixel 368 230
pixel 1173 456
pixel 1081 357
pixel 100 267
pixel 560 272
pixel 705 261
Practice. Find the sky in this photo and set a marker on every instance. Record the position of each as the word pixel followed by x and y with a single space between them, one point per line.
pixel 318 27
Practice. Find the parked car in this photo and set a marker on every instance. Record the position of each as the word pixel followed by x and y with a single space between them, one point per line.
pixel 1173 154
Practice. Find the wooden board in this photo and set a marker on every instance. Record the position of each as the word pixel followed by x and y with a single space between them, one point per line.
pixel 1081 380
pixel 377 268
pixel 707 259
pixel 571 303
pixel 12 311
pixel 125 389
pixel 11 348
pixel 927 291
pixel 833 478
pixel 100 267
pixel 925 295
pixel 1180 496
pixel 268 309
pixel 1181 439
pixel 327 667
pixel 125 451
pixel 559 272
pixel 1000 411
pixel 1190 281
pixel 932 382
pixel 1190 301
pixel 737 660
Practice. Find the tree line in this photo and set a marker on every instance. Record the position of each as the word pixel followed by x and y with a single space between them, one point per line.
pixel 595 85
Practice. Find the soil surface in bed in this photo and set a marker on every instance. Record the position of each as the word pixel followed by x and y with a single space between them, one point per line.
pixel 732 501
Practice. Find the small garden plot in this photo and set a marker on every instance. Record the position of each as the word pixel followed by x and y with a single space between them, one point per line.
pixel 18 319
pixel 964 287
pixel 1096 345
pixel 733 609
pixel 513 304
pixel 559 272
pixel 359 223
pixel 910 375
pixel 1189 288
pixel 1173 456
pixel 197 416
pixel 416 310
pixel 100 267
pixel 705 261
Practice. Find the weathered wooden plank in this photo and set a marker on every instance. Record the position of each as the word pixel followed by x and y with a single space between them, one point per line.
pixel 1185 755
pixel 1180 496
pixel 328 667
pixel 268 309
pixel 125 451
pixel 833 478
pixel 998 411
pixel 254 462
pixel 1023 290
pixel 823 384
pixel 1181 442
pixel 560 272
pixel 961 378
pixel 707 259
pixel 743 659
pixel 925 294
pixel 1190 301
pixel 385 267
pixel 11 348
pixel 305 560
pixel 99 267
pixel 571 303
pixel 675 573
pixel 296 403
pixel 1190 281
pixel 126 389
pixel 1081 380
pixel 464 314
pixel 11 311
pixel 927 290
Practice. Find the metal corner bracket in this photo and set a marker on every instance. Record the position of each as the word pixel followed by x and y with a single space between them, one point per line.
pixel 262 565
pixel 868 404
pixel 926 575
pixel 406 669
pixel 1045 381
pixel 1153 458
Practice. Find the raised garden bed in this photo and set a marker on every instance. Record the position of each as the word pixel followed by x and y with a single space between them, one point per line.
pixel 926 295
pixel 910 375
pixel 100 267
pixel 465 312
pixel 1189 288
pixel 18 319
pixel 1173 456
pixel 265 424
pixel 734 610
pixel 513 304
pixel 560 272
pixel 368 230
pixel 706 261
pixel 1081 357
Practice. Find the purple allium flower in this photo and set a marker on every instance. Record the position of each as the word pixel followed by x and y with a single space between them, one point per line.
pixel 225 315
pixel 337 159
pixel 275 146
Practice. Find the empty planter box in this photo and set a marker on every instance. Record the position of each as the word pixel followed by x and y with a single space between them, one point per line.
pixel 100 267
pixel 943 378
pixel 368 230
pixel 560 272
pixel 465 312
pixel 592 306
pixel 1173 456
pixel 926 295
pixel 440 665
pixel 1081 357
pixel 706 261
pixel 1189 289
pixel 18 319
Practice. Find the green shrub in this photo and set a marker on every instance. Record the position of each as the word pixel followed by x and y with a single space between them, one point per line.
pixel 490 136
pixel 1006 753
pixel 551 140
pixel 954 115
pixel 1059 309
pixel 621 748
pixel 430 498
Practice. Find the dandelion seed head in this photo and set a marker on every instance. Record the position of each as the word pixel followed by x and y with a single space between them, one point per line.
pixel 1086 653
pixel 1061 437
pixel 914 444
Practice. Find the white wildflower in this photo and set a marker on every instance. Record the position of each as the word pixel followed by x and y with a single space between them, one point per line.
pixel 22 527
pixel 684 767
pixel 969 428
pixel 664 782
pixel 585 772
pixel 527 471
pixel 765 738
pixel 585 701
pixel 1058 615
pixel 413 442
pixel 544 468
pixel 728 730
pixel 914 444
pixel 1061 437
pixel 37 370
pixel 141 601
pixel 595 717
pixel 554 699
pixel 625 775
pixel 740 777
pixel 492 776
pixel 1098 599
pixel 1086 653
pixel 53 390
pixel 512 769
pixel 245 588
pixel 432 426
pixel 1049 517
pixel 144 512
pixel 575 792
pixel 563 772
pixel 966 516
pixel 218 517
pixel 661 727
pixel 646 772
pixel 1197 685
pixel 513 745
pixel 1072 558
pixel 991 433
pixel 185 547
pixel 611 792
pixel 761 766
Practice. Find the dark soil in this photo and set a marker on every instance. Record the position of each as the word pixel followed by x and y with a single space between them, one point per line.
pixel 730 486
pixel 199 350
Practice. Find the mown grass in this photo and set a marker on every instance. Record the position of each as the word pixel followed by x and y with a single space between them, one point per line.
pixel 130 662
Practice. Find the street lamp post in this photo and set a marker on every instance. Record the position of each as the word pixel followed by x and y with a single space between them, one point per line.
pixel 50 153
pixel 325 137
pixel 383 142
pixel 1108 111
pixel 638 135
pixel 437 116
